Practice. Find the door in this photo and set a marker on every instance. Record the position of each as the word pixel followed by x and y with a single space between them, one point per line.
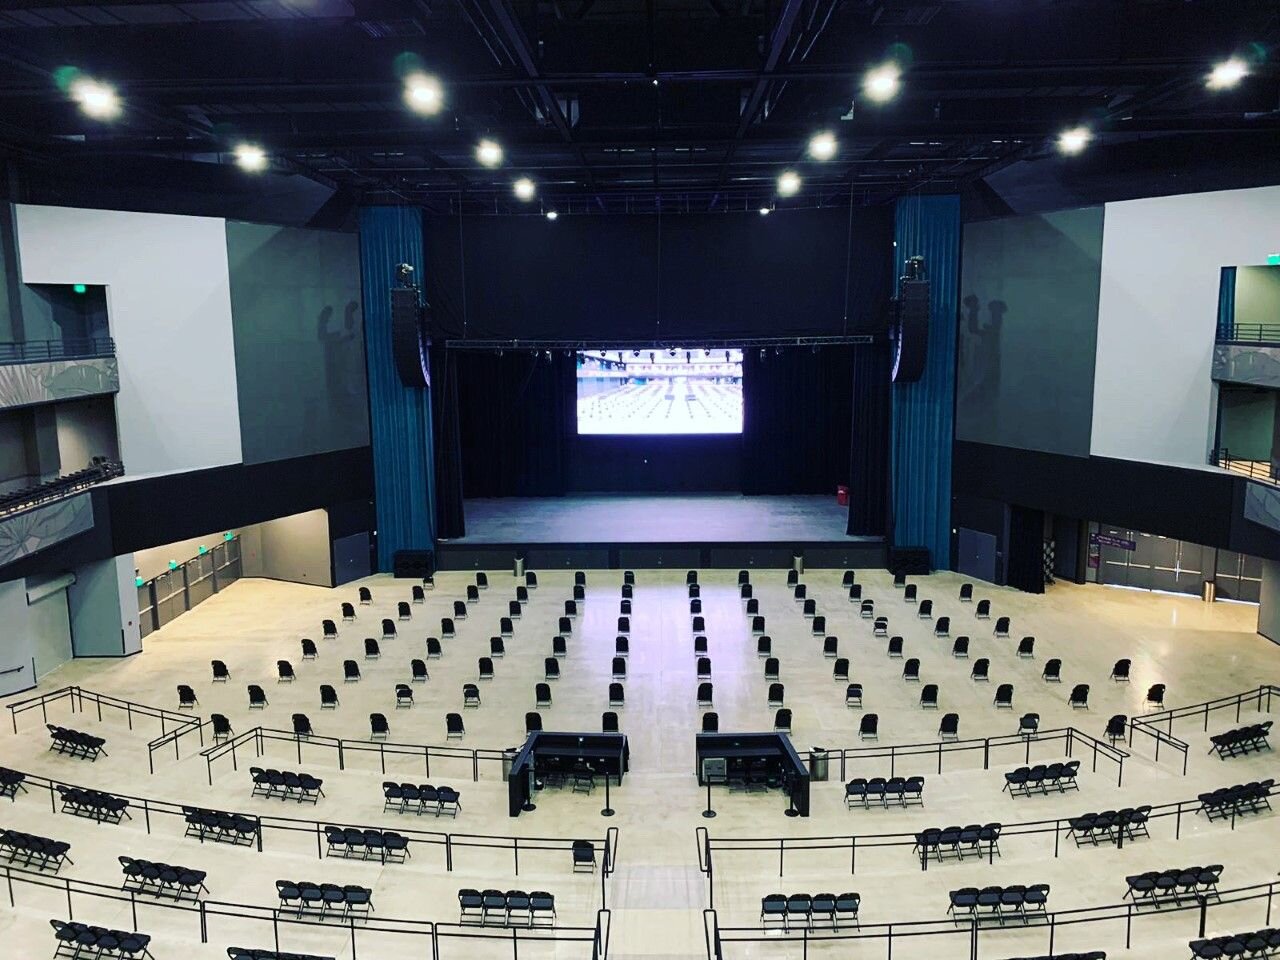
pixel 50 625
pixel 351 558
pixel 976 555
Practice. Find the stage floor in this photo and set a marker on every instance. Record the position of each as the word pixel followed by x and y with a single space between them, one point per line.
pixel 667 519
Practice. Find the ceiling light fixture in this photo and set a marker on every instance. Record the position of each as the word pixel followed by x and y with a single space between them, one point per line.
pixel 551 215
pixel 822 146
pixel 765 211
pixel 1074 140
pixel 250 157
pixel 524 188
pixel 788 183
pixel 488 153
pixel 96 99
pixel 882 83
pixel 1227 74
pixel 423 93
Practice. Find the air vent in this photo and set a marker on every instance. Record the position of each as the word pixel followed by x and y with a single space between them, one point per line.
pixel 382 19
pixel 905 14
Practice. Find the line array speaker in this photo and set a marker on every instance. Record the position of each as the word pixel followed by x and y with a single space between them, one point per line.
pixel 409 337
pixel 912 328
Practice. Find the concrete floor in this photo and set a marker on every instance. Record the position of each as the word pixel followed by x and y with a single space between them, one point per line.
pixel 614 518
pixel 657 895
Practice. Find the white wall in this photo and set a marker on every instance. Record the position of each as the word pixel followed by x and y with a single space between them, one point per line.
pixel 104 609
pixel 1258 294
pixel 1157 313
pixel 169 308
pixel 86 429
pixel 16 647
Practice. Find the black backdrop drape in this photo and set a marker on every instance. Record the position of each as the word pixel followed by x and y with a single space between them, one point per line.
pixel 515 413
pixel 869 444
pixel 796 420
pixel 1025 569
pixel 450 520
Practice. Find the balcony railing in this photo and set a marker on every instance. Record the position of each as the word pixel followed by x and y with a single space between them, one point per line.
pixel 1250 333
pixel 43 351
pixel 1253 469
pixel 60 487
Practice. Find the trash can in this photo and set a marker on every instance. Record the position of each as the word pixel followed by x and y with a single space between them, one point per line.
pixel 797 563
pixel 517 569
pixel 508 761
pixel 818 764
pixel 842 495
pixel 1210 592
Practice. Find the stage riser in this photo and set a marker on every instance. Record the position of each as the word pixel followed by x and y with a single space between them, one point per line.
pixel 632 556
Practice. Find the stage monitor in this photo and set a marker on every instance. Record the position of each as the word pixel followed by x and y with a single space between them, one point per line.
pixel 659 391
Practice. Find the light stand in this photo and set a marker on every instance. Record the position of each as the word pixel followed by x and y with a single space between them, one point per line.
pixel 708 813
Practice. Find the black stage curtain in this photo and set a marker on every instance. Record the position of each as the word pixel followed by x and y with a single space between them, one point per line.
pixel 515 413
pixel 450 520
pixel 1026 549
pixel 796 420
pixel 869 446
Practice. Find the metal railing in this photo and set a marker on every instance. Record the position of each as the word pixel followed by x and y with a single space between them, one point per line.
pixel 1149 723
pixel 448 844
pixel 1253 469
pixel 60 487
pixel 984 747
pixel 173 726
pixel 342 750
pixel 42 351
pixel 445 941
pixel 962 939
pixel 1249 333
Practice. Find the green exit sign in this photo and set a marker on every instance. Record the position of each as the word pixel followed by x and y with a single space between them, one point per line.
pixel 1273 259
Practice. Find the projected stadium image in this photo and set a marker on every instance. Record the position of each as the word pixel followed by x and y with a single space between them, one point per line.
pixel 659 391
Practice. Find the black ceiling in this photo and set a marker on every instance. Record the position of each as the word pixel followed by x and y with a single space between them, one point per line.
pixel 609 104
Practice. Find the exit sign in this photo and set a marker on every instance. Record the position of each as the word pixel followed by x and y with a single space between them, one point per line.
pixel 1273 259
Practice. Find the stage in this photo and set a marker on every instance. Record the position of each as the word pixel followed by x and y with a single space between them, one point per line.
pixel 619 531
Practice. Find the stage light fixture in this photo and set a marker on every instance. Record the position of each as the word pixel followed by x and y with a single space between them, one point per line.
pixel 250 157
pixel 524 188
pixel 726 356
pixel 882 83
pixel 788 183
pixel 423 93
pixel 765 211
pixel 651 356
pixel 822 146
pixel 551 215
pixel 635 353
pixel 1074 140
pixel 488 153
pixel 1227 74
pixel 98 100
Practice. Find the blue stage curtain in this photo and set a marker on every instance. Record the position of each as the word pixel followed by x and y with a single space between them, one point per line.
pixel 1226 303
pixel 400 416
pixel 924 412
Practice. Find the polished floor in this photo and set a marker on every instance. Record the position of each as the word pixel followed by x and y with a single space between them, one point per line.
pixel 615 518
pixel 658 895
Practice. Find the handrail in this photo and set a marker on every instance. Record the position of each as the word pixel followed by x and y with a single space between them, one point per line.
pixel 207 909
pixel 1146 724
pixel 1058 826
pixel 983 744
pixel 259 735
pixel 447 841
pixel 1249 333
pixel 72 348
pixel 973 930
pixel 60 487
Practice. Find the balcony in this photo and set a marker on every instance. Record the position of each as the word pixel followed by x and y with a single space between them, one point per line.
pixel 48 513
pixel 45 371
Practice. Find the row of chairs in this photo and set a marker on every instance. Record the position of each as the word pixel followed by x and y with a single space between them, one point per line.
pixel 896 791
pixel 1237 800
pixel 93 804
pixel 800 911
pixel 403 611
pixel 512 908
pixel 324 900
pixel 77 940
pixel 75 743
pixel 1025 781
pixel 61 486
pixel 162 879
pixel 1258 944
pixel 420 799
pixel 941 842
pixel 218 826
pixel 1110 826
pixel 29 850
pixel 353 843
pixel 1014 902
pixel 286 785
pixel 1160 887
pixel 1242 740
pixel 11 781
